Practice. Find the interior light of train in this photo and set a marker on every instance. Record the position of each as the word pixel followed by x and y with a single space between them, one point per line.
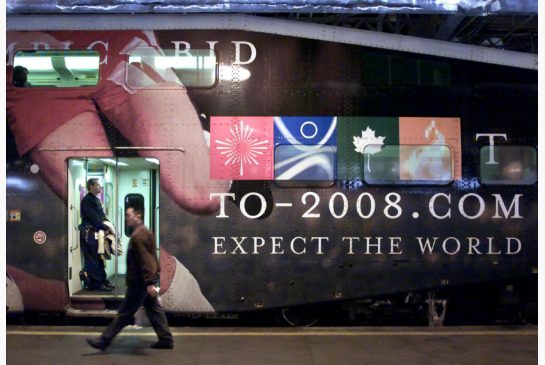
pixel 34 63
pixel 40 62
pixel 226 73
pixel 109 160
pixel 82 63
pixel 184 62
pixel 135 59
pixel 153 160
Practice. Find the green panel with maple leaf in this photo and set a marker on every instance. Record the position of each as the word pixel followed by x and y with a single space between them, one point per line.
pixel 354 133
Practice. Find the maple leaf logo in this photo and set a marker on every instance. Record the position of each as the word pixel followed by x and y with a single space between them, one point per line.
pixel 368 144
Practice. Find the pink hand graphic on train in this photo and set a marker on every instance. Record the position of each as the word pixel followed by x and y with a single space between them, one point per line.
pixel 159 115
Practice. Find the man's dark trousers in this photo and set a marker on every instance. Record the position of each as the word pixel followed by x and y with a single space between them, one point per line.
pixel 135 296
pixel 94 265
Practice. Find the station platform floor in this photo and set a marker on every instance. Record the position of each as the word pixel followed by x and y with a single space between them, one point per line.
pixel 243 345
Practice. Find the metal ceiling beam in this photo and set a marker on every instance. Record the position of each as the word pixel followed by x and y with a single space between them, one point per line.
pixel 449 26
pixel 505 38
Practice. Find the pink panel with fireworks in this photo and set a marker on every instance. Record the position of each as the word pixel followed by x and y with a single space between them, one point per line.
pixel 241 148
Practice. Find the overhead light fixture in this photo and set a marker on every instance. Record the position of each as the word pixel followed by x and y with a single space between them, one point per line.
pixel 82 62
pixel 34 63
pixel 185 62
pixel 153 160
pixel 109 160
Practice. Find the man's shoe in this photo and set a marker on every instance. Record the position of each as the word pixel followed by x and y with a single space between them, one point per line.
pixel 162 344
pixel 103 287
pixel 98 343
pixel 107 284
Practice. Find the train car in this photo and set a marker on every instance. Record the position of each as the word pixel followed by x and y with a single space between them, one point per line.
pixel 280 164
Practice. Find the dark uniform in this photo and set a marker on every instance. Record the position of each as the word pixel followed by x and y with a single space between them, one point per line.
pixel 142 270
pixel 92 218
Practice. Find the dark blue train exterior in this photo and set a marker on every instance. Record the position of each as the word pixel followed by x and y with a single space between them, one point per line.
pixel 300 253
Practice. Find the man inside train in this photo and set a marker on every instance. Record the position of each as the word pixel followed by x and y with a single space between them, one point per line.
pixel 92 221
pixel 20 75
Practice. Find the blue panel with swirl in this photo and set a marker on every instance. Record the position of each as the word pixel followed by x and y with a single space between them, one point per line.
pixel 305 130
pixel 305 148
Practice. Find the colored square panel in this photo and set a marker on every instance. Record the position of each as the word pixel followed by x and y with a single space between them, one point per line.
pixel 241 148
pixel 305 130
pixel 355 136
pixel 305 162
pixel 410 164
pixel 431 131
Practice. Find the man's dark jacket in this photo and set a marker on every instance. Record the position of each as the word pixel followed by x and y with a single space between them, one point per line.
pixel 142 262
pixel 92 214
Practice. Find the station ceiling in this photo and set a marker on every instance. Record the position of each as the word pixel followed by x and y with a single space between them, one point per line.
pixel 502 24
pixel 511 32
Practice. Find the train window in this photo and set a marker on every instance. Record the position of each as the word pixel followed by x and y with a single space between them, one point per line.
pixel 194 69
pixel 305 165
pixel 56 68
pixel 433 73
pixel 508 165
pixel 381 69
pixel 407 165
pixel 375 69
pixel 133 201
pixel 404 71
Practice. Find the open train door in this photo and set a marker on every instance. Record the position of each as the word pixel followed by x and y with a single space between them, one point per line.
pixel 126 182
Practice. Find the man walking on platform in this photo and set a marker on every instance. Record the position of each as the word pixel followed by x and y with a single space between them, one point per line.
pixel 142 275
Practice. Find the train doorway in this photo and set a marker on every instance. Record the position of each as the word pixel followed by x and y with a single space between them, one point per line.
pixel 125 182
